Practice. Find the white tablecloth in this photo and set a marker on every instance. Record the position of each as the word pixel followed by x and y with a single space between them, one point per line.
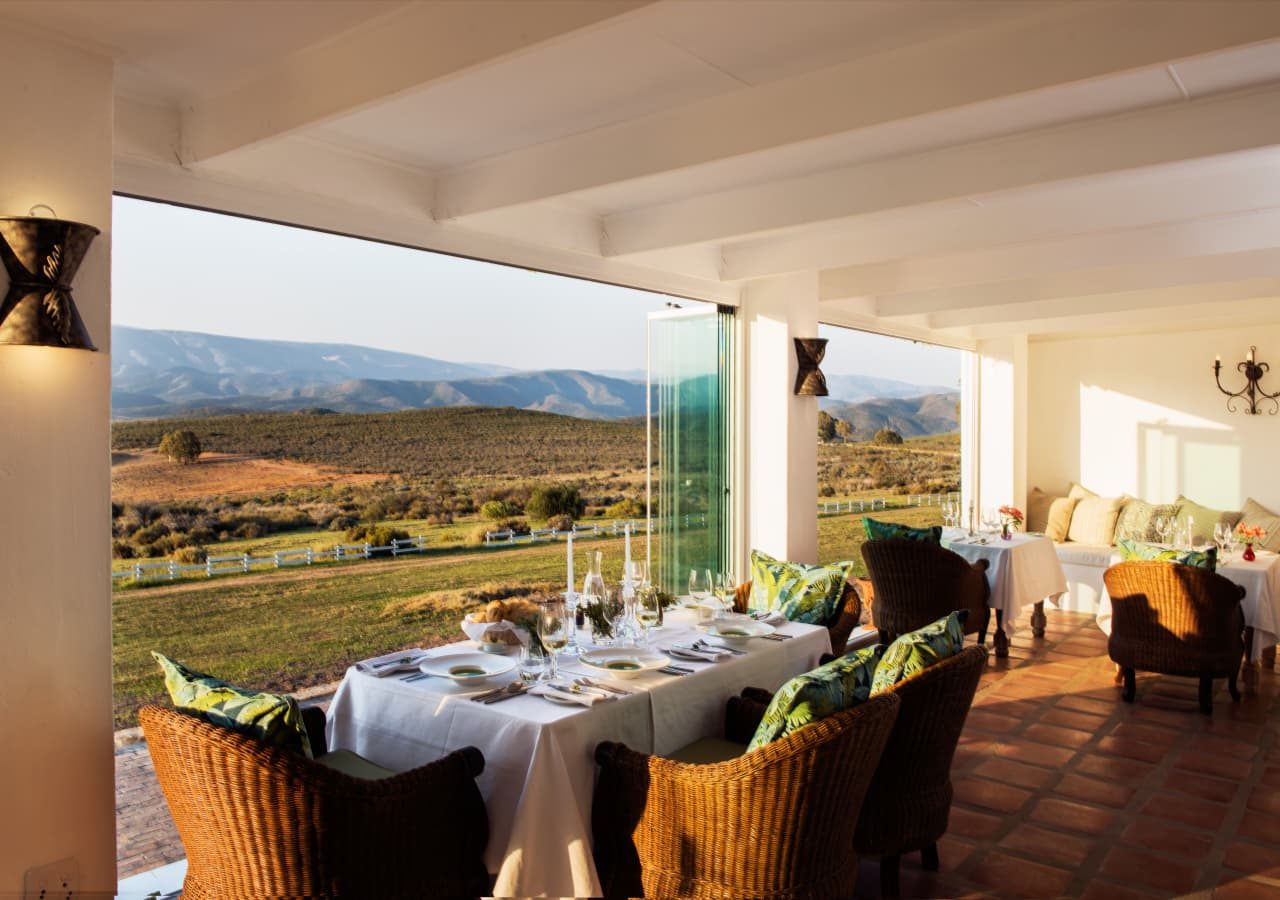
pixel 1261 582
pixel 1021 571
pixel 539 764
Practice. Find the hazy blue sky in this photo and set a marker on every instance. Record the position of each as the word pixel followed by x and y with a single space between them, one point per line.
pixel 181 269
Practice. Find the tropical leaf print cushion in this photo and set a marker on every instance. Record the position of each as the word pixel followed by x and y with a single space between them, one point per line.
pixel 1201 559
pixel 273 719
pixel 919 649
pixel 887 531
pixel 839 685
pixel 809 594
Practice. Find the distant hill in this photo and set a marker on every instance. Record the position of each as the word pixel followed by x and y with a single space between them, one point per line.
pixel 909 416
pixel 158 374
pixel 845 389
pixel 569 393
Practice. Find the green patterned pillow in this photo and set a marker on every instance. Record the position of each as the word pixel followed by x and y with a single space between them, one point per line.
pixel 273 719
pixel 809 594
pixel 829 689
pixel 1200 559
pixel 887 531
pixel 919 649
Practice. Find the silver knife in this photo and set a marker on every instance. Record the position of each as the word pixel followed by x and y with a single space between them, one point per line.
pixel 506 695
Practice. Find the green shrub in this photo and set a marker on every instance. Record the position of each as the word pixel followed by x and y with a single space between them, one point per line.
pixel 554 500
pixel 376 536
pixel 499 509
pixel 122 550
pixel 342 523
pixel 190 555
pixel 626 508
pixel 561 523
pixel 887 436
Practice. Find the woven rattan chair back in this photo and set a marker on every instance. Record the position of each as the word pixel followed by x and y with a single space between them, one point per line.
pixel 257 821
pixel 917 582
pixel 841 625
pixel 774 823
pixel 1175 620
pixel 909 799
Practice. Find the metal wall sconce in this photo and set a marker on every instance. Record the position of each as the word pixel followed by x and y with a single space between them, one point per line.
pixel 810 382
pixel 1253 372
pixel 42 256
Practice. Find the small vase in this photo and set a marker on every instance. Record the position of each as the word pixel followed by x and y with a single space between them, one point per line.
pixel 1005 531
pixel 1248 555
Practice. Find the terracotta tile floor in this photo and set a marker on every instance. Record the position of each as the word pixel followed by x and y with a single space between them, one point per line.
pixel 1063 790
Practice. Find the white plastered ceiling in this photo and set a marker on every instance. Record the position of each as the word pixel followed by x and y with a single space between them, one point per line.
pixel 952 170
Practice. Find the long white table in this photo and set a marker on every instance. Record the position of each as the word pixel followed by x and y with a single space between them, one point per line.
pixel 1261 604
pixel 1021 572
pixel 539 757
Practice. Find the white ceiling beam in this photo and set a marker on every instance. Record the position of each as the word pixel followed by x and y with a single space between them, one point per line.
pixel 951 305
pixel 1031 51
pixel 1173 133
pixel 371 213
pixel 1260 311
pixel 1210 237
pixel 1132 301
pixel 1197 190
pixel 850 313
pixel 415 45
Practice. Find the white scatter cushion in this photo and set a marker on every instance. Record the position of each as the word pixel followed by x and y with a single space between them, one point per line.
pixel 1255 513
pixel 1093 521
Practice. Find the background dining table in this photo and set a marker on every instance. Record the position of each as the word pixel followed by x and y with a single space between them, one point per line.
pixel 1022 571
pixel 539 756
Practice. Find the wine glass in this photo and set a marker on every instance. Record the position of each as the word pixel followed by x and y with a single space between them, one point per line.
pixel 639 574
pixel 948 511
pixel 648 609
pixel 1164 527
pixel 1221 536
pixel 553 630
pixel 726 589
pixel 700 584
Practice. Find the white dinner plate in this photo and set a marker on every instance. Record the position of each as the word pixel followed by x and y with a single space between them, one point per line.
pixel 466 667
pixel 624 662
pixel 735 630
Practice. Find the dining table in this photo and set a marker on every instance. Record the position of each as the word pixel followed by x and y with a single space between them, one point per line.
pixel 539 772
pixel 1022 571
pixel 1260 579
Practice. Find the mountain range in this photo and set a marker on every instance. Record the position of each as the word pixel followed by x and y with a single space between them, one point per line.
pixel 167 373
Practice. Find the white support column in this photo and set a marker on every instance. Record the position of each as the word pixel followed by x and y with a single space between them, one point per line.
pixel 1001 437
pixel 781 429
pixel 57 796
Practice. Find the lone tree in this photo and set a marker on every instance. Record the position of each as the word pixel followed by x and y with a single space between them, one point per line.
pixel 844 429
pixel 888 436
pixel 180 446
pixel 826 427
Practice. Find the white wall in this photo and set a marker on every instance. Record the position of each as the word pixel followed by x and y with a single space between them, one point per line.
pixel 1000 371
pixel 56 769
pixel 1140 414
pixel 781 429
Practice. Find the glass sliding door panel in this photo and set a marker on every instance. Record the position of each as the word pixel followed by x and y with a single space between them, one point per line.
pixel 690 357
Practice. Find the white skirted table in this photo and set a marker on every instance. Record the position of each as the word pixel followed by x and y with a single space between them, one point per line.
pixel 1261 604
pixel 1021 572
pixel 539 757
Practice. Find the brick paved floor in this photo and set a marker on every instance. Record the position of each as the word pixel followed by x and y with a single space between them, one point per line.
pixel 1061 788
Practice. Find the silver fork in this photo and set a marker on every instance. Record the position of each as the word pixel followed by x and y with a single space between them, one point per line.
pixel 587 682
pixel 700 644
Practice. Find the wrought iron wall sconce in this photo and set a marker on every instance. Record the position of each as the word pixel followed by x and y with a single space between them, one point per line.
pixel 810 382
pixel 1251 392
pixel 42 256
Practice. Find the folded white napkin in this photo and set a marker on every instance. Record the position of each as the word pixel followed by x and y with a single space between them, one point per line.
pixel 773 617
pixel 705 653
pixel 390 663
pixel 546 690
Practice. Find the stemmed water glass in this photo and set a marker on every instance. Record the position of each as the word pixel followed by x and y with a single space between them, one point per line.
pixel 1164 527
pixel 700 584
pixel 648 609
pixel 726 590
pixel 1222 536
pixel 553 630
pixel 950 511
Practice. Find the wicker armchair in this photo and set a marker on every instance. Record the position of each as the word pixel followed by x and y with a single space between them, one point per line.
pixel 257 821
pixel 841 625
pixel 774 823
pixel 909 800
pixel 917 583
pixel 1175 620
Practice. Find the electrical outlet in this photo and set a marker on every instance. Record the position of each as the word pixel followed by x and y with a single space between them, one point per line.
pixel 54 881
